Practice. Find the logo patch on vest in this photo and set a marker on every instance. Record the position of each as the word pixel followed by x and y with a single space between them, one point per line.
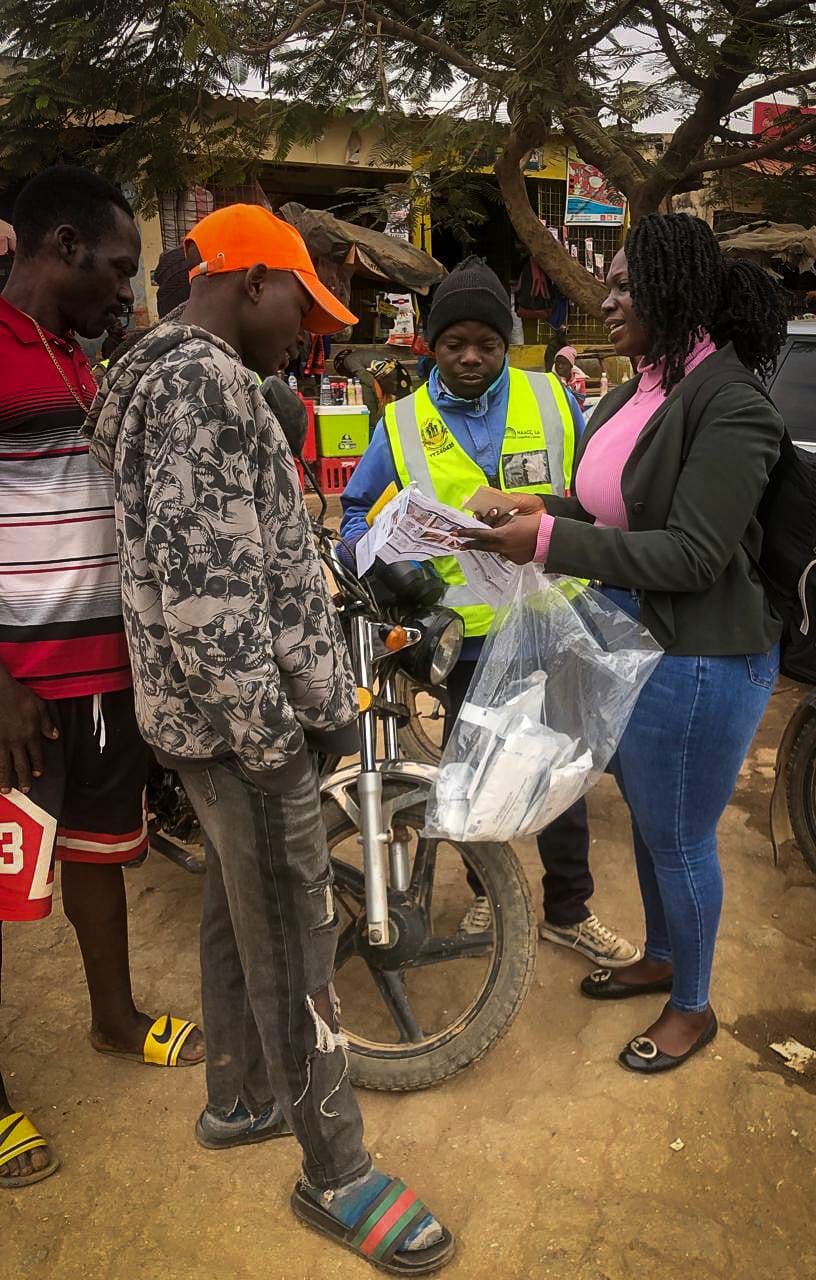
pixel 434 435
pixel 521 433
pixel 522 469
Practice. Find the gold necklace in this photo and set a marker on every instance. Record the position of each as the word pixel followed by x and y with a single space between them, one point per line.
pixel 83 404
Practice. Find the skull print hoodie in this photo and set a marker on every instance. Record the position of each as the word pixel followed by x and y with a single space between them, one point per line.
pixel 234 641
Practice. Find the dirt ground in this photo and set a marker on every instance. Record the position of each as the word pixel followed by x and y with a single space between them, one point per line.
pixel 546 1158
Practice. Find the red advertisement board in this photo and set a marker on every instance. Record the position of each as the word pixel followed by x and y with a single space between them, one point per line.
pixel 766 115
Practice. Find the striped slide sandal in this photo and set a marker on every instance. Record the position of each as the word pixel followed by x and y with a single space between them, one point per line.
pixel 18 1136
pixel 162 1044
pixel 381 1230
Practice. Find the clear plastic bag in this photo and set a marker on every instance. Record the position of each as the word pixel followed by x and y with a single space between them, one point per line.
pixel 556 683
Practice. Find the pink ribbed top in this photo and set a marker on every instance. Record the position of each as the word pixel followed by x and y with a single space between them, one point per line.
pixel 598 481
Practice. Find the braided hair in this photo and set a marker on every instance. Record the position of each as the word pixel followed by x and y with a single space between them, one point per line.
pixel 682 286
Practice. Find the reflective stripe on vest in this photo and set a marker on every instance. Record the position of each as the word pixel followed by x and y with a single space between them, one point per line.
pixel 539 423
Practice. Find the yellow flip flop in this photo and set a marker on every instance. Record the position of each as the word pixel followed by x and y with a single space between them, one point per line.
pixel 162 1044
pixel 17 1137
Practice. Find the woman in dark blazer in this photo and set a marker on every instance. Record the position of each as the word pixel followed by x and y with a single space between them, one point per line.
pixel 667 524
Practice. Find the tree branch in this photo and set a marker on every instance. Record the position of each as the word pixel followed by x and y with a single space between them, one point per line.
pixel 733 65
pixel 746 155
pixel 685 28
pixel 319 6
pixel 381 68
pixel 404 13
pixel 600 33
pixel 618 163
pixel 686 73
pixel 378 24
pixel 400 31
pixel 774 10
pixel 374 21
pixel 788 80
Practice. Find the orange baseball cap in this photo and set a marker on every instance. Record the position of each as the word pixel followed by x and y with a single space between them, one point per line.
pixel 241 235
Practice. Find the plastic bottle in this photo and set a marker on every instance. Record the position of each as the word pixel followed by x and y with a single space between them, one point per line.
pixel 604 383
pixel 292 380
pixel 358 391
pixel 325 390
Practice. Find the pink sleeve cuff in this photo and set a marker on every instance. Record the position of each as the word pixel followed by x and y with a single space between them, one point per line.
pixel 543 541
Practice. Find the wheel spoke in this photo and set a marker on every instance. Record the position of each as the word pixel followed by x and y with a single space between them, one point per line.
pixel 423 872
pixel 348 881
pixel 392 989
pixel 345 945
pixel 457 947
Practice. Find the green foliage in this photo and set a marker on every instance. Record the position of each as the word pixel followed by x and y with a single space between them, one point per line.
pixel 165 93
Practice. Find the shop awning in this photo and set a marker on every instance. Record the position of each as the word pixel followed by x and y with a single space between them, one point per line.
pixel 768 242
pixel 372 253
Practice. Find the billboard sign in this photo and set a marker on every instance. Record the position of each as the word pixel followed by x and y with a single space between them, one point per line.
pixel 592 201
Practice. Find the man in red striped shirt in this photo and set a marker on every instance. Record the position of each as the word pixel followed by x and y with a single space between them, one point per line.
pixel 72 762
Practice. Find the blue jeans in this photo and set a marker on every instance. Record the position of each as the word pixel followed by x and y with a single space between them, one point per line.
pixel 677 766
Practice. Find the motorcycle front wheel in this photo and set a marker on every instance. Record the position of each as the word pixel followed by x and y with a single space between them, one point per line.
pixel 434 1002
pixel 421 737
pixel 801 791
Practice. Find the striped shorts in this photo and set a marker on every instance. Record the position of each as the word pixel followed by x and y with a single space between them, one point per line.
pixel 89 805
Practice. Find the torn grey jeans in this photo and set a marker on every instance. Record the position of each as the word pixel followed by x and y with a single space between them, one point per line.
pixel 268 939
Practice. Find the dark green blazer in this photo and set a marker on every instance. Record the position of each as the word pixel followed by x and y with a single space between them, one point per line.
pixel 693 537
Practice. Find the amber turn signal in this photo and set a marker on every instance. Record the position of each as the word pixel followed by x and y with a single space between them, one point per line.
pixel 364 698
pixel 396 639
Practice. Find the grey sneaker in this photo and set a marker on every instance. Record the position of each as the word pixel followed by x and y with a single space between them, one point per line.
pixel 478 918
pixel 593 940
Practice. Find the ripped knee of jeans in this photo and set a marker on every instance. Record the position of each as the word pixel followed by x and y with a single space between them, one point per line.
pixel 323 1004
pixel 324 1010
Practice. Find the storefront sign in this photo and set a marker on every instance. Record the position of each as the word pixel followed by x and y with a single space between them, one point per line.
pixel 547 163
pixel 766 122
pixel 591 200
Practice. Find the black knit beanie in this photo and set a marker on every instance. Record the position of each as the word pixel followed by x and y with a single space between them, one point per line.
pixel 472 291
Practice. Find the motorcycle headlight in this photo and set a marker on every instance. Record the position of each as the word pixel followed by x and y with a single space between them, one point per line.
pixel 432 660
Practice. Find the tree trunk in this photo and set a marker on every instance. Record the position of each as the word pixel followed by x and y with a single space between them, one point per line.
pixel 647 197
pixel 568 273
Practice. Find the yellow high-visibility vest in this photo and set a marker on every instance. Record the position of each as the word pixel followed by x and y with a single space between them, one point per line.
pixel 537 456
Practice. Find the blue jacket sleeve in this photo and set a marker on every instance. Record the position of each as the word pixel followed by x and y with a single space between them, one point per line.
pixel 373 473
pixel 577 416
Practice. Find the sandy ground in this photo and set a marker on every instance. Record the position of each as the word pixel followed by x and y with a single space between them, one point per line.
pixel 546 1159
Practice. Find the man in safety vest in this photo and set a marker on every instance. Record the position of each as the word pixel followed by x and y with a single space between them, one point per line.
pixel 479 422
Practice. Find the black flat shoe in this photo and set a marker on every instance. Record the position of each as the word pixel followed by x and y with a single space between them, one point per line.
pixel 643 1055
pixel 602 984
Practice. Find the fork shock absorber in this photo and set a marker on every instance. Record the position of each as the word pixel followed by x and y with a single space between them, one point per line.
pixel 373 837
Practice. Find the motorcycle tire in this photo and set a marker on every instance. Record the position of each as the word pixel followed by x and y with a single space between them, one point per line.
pixel 407 1066
pixel 801 791
pixel 415 742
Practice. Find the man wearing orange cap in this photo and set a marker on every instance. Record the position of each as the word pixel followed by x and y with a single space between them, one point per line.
pixel 241 674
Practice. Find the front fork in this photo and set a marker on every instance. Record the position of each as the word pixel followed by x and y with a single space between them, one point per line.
pixel 377 838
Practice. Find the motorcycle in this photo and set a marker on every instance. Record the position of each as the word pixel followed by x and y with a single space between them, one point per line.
pixel 422 999
pixel 445 996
